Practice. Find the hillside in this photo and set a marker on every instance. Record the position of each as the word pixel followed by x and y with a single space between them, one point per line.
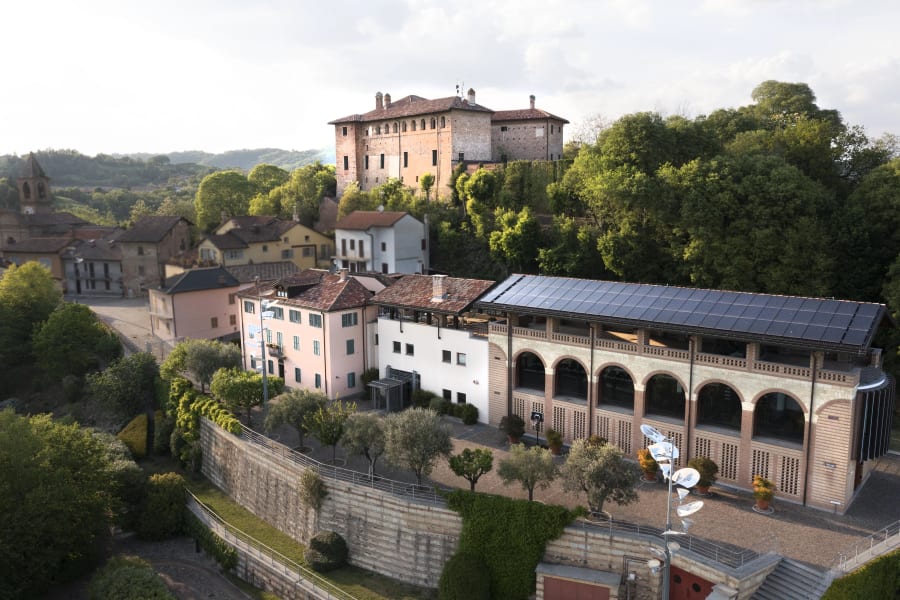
pixel 247 159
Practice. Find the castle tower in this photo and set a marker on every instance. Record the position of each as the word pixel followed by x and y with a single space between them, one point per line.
pixel 34 188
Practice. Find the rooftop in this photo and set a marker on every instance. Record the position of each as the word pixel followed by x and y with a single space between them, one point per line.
pixel 418 292
pixel 364 219
pixel 412 106
pixel 195 280
pixel 150 229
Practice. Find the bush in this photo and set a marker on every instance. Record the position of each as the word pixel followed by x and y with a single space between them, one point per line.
pixel 135 436
pixel 469 414
pixel 327 551
pixel 464 578
pixel 162 514
pixel 441 406
pixel 312 489
pixel 422 398
pixel 163 427
pixel 128 578
pixel 879 578
pixel 73 388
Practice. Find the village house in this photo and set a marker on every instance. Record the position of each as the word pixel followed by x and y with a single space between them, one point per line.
pixel 381 241
pixel 146 248
pixel 196 304
pixel 256 239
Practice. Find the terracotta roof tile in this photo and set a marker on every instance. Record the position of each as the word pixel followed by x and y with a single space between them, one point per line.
pixel 417 292
pixel 150 229
pixel 47 245
pixel 410 106
pixel 364 219
pixel 524 114
pixel 321 290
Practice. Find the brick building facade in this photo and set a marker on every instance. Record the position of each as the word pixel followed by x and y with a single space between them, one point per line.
pixel 407 138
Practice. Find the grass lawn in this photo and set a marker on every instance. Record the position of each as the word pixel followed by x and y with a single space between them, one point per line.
pixel 362 584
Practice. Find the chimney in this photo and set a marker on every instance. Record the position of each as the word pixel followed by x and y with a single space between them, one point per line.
pixel 387 100
pixel 343 274
pixel 438 288
pixel 471 97
pixel 531 99
pixel 296 215
pixel 378 105
pixel 223 215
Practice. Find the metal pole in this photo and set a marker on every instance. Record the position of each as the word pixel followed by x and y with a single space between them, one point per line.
pixel 667 566
pixel 262 347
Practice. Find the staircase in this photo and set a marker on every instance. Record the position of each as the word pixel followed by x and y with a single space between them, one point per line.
pixel 792 580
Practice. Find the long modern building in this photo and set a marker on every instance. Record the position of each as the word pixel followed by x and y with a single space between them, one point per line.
pixel 786 387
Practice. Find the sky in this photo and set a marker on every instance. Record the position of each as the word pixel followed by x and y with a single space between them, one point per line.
pixel 126 76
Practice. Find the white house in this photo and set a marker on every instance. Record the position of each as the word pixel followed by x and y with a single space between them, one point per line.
pixel 384 242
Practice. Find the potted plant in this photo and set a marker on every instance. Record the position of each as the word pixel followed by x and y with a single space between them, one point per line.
pixel 555 441
pixel 763 491
pixel 514 427
pixel 649 466
pixel 707 469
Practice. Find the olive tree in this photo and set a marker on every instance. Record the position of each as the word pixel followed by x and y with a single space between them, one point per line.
pixel 415 439
pixel 292 408
pixel 471 464
pixel 364 434
pixel 531 467
pixel 601 472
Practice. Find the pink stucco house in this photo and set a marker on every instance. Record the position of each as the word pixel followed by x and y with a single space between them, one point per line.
pixel 197 304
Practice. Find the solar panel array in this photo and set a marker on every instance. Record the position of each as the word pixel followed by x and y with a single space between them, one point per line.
pixel 807 320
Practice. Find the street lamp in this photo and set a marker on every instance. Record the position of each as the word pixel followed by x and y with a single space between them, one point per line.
pixel 665 453
pixel 264 313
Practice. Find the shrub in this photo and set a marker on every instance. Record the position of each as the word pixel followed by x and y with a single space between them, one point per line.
pixel 327 551
pixel 128 578
pixel 707 469
pixel 469 414
pixel 73 388
pixel 513 425
pixel 422 398
pixel 135 436
pixel 312 489
pixel 464 578
pixel 647 462
pixel 441 406
pixel 163 427
pixel 162 512
pixel 554 438
pixel 879 578
pixel 368 376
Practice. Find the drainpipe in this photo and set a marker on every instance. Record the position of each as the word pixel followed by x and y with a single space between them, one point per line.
pixel 687 425
pixel 509 373
pixel 812 396
pixel 590 411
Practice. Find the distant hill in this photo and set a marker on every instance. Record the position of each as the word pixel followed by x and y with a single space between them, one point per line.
pixel 70 168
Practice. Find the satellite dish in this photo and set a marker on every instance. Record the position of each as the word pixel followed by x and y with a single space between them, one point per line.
pixel 686 477
pixel 652 433
pixel 663 451
pixel 656 552
pixel 689 508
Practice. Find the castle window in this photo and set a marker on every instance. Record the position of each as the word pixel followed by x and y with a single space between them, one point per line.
pixel 387 128
pixel 413 124
pixel 367 161
pixel 396 127
pixel 443 122
pixel 42 191
pixel 344 131
pixel 462 156
pixel 551 130
pixel 346 163
pixel 378 130
pixel 381 163
pixel 433 157
pixel 503 128
pixel 405 159
pixel 433 122
pixel 403 126
pixel 26 190
pixel 538 132
pixel 423 124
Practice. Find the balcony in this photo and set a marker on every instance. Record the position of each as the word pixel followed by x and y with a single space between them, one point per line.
pixel 274 350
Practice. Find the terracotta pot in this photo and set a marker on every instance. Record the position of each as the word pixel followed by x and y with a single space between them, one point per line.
pixel 513 439
pixel 555 450
pixel 649 475
pixel 703 490
pixel 762 504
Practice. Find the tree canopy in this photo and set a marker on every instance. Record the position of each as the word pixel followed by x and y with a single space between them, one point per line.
pixel 28 296
pixel 601 472
pixel 292 408
pixel 414 439
pixel 74 341
pixel 530 467
pixel 223 193
pixel 200 359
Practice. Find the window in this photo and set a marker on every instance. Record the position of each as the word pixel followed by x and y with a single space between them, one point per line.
pixel 232 319
pixel 446 356
pixel 383 246
pixel 461 358
pixel 381 161
pixel 779 416
pixel 503 128
pixel 538 132
pixel 315 320
pixel 362 251
pixel 296 342
pixel 344 246
pixel 396 128
pixel 351 347
pixel 424 244
pixel 297 374
pixel 405 159
pixel 448 395
pixel 719 405
pixel 252 359
pixel 279 340
pixel 351 380
pixel 403 126
pixel 277 312
pixel 443 122
pixel 140 250
pixel 288 253
pixel 268 336
pixel 367 161
pixel 318 380
pixel 410 350
pixel 384 268
pixel 249 307
pixel 344 131
pixel 504 158
pixel 664 396
pixel 434 157
pixel 396 347
pixel 551 130
pixel 234 254
pixel 433 122
pixel 214 322
pixel 140 268
pixel 460 398
pixel 462 156
pixel 294 316
pixel 317 351
pixel 307 252
pixel 265 248
pixel 346 163
pixel 353 244
pixel 376 339
pixel 349 319
pixel 271 367
pixel 413 124
pixel 423 124
pixel 616 388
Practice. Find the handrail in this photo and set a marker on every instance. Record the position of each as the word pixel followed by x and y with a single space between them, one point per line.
pixel 867 544
pixel 420 493
pixel 224 527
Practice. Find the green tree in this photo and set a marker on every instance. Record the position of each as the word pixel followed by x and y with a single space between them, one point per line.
pixel 265 205
pixel 200 359
pixel 531 467
pixel 414 439
pixel 364 434
pixel 292 408
pixel 128 578
pixel 267 177
pixel 471 464
pixel 601 472
pixel 516 240
pixel 74 341
pixel 303 192
pixel 426 182
pixel 327 423
pixel 27 297
pixel 139 209
pixel 128 385
pixel 56 498
pixel 221 193
pixel 354 199
pixel 239 389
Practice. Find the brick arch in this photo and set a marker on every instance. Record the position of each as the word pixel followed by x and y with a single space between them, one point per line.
pixel 831 404
pixel 619 401
pixel 516 355
pixel 793 397
pixel 571 387
pixel 653 374
pixel 622 366
pixel 568 357
pixel 533 382
pixel 730 384
pixel 782 425
pixel 719 413
pixel 664 408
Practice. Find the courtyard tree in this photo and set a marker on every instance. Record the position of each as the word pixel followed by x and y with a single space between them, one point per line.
pixel 415 439
pixel 242 389
pixel 364 434
pixel 326 424
pixel 601 472
pixel 73 341
pixel 199 359
pixel 127 385
pixel 531 467
pixel 292 408
pixel 471 464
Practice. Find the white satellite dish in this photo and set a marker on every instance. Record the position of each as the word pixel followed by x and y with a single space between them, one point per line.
pixel 663 451
pixel 652 433
pixel 656 552
pixel 687 477
pixel 689 508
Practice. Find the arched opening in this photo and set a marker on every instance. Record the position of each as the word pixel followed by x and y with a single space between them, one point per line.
pixel 42 190
pixel 778 416
pixel 719 405
pixel 396 128
pixel 616 388
pixel 570 380
pixel 433 122
pixel 423 125
pixel 378 130
pixel 26 190
pixel 664 397
pixel 443 122
pixel 530 371
pixel 403 126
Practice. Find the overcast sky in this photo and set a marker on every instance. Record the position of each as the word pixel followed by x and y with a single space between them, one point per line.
pixel 168 75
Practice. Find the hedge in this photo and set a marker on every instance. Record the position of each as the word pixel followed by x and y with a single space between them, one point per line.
pixel 134 435
pixel 464 578
pixel 879 578
pixel 163 511
pixel 128 578
pixel 212 544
